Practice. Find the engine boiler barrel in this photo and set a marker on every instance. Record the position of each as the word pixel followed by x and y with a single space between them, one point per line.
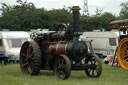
pixel 73 49
pixel 58 48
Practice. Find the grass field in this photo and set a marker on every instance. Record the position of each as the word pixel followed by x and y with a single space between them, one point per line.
pixel 11 75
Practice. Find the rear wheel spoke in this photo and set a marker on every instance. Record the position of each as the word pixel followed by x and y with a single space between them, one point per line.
pixel 24 54
pixel 123 52
pixel 125 45
pixel 125 49
pixel 25 64
pixel 124 61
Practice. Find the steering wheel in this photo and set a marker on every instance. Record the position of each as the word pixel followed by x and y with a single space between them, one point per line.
pixel 61 27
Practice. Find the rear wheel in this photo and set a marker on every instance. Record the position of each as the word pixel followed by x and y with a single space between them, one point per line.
pixel 95 66
pixel 62 67
pixel 30 58
pixel 122 53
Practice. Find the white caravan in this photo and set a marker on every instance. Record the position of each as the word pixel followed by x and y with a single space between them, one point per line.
pixel 10 44
pixel 104 43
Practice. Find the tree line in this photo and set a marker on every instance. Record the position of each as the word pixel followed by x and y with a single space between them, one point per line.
pixel 24 16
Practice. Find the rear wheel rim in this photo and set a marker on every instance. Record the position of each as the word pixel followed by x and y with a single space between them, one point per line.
pixel 27 55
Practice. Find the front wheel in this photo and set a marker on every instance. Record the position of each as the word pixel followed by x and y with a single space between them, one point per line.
pixel 62 67
pixel 95 66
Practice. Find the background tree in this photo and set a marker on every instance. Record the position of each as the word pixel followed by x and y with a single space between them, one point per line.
pixel 106 18
pixel 124 10
pixel 25 16
pixel 17 17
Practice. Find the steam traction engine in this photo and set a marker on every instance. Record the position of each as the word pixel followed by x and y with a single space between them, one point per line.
pixel 122 48
pixel 61 51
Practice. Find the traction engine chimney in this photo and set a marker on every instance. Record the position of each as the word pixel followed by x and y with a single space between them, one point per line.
pixel 75 10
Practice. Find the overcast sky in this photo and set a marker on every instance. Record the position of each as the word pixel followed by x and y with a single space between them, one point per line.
pixel 107 5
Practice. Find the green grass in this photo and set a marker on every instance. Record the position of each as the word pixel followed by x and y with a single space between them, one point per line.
pixel 11 75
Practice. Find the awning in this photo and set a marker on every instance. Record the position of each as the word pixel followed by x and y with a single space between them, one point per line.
pixel 119 23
